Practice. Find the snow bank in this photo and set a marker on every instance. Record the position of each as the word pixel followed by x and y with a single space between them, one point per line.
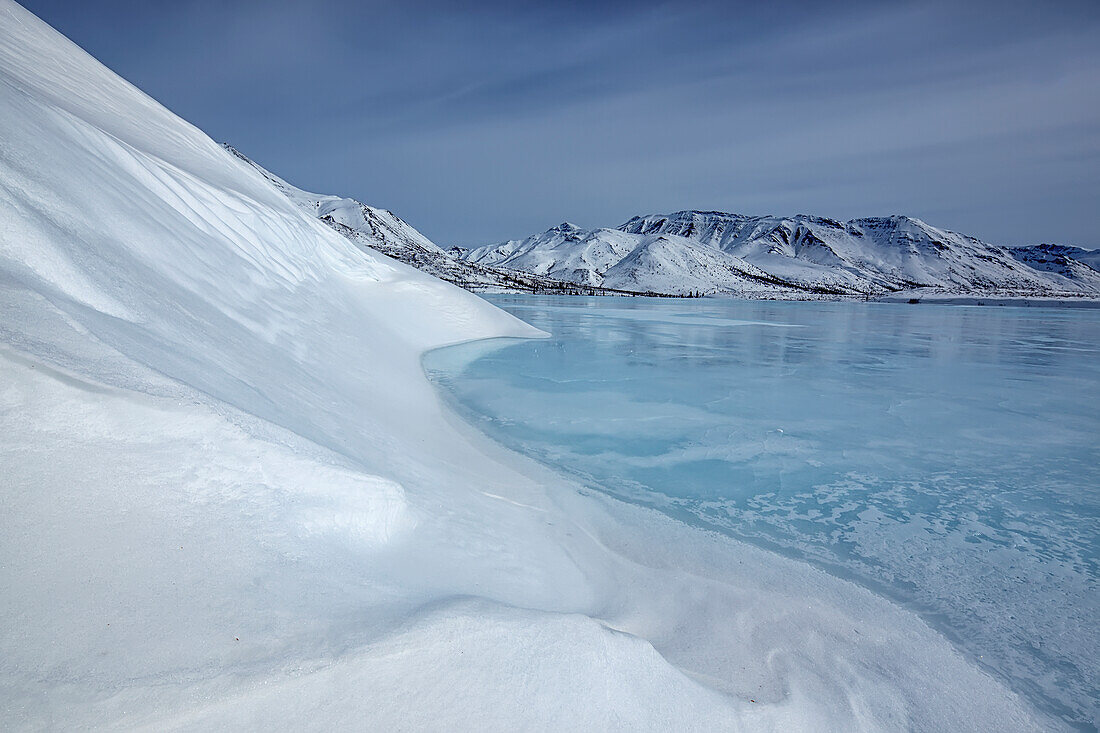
pixel 230 497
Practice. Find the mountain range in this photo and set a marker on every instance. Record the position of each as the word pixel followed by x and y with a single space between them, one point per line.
pixel 712 252
pixel 703 252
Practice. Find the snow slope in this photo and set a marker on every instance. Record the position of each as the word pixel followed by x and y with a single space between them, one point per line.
pixel 565 252
pixel 232 500
pixel 666 263
pixel 732 253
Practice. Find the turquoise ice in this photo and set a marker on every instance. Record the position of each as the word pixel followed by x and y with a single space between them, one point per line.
pixel 944 456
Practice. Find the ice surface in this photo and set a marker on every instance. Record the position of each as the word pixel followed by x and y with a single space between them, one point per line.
pixel 230 498
pixel 946 456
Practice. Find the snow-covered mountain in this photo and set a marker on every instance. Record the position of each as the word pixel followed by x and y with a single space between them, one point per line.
pixel 692 252
pixel 380 230
pixel 710 251
pixel 565 252
pixel 1076 266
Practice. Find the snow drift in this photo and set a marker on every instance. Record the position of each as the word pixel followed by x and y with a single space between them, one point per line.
pixel 230 498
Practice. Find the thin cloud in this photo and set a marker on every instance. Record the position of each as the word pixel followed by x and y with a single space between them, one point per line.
pixel 499 119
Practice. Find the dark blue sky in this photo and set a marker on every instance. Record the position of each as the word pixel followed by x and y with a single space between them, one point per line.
pixel 479 122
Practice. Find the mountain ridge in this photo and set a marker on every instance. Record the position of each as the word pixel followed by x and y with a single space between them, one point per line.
pixel 739 254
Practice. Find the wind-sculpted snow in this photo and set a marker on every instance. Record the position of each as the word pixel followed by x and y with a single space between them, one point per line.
pixel 232 500
pixel 710 251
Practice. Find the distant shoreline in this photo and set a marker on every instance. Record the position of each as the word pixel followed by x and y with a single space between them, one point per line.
pixel 906 297
pixel 1017 301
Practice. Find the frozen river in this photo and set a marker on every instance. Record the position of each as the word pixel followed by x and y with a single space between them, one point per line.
pixel 944 456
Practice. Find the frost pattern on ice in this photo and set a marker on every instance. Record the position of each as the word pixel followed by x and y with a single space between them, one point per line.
pixel 944 455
